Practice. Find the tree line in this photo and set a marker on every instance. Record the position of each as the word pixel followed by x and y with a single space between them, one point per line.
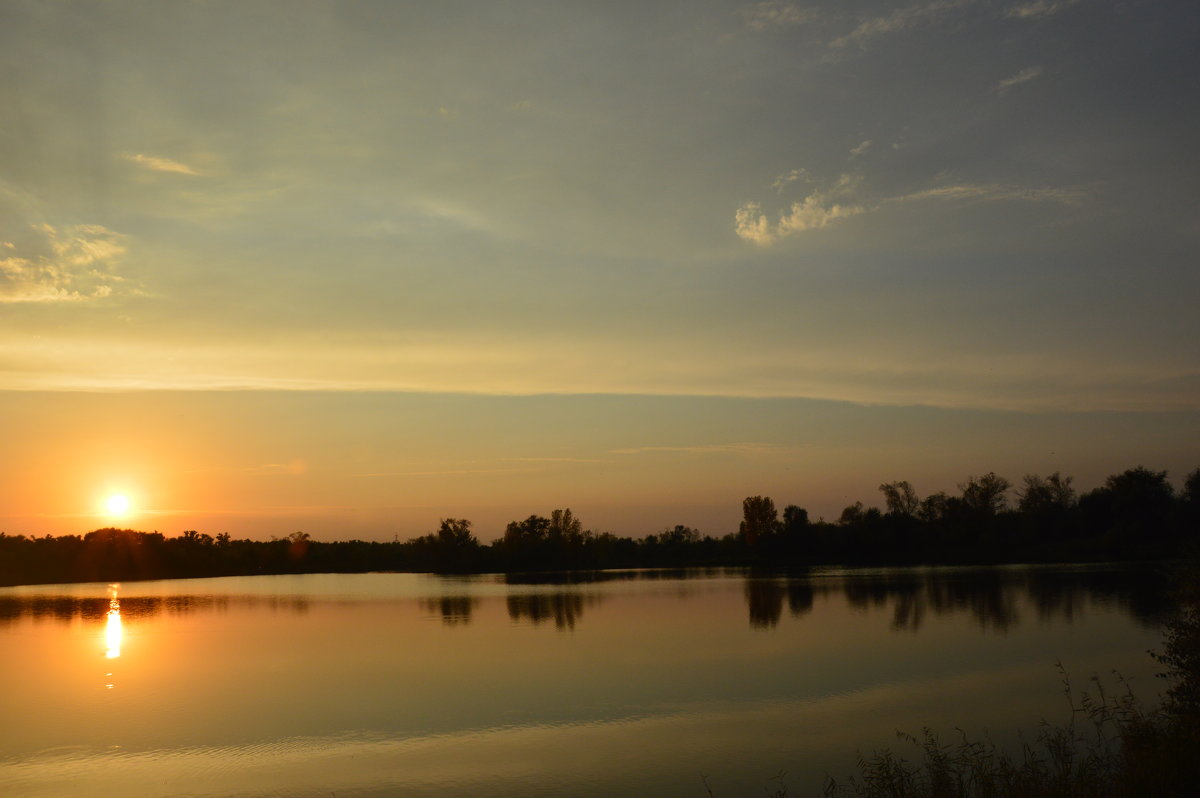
pixel 1135 514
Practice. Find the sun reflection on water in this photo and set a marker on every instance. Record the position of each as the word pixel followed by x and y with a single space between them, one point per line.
pixel 113 632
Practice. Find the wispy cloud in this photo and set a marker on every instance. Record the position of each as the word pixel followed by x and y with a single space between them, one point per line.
pixel 555 460
pixel 449 472
pixel 775 14
pixel 1039 8
pixel 860 149
pixel 158 164
pixel 1025 75
pixel 707 448
pixel 996 192
pixel 844 199
pixel 786 179
pixel 71 266
pixel 838 370
pixel 898 20
pixel 292 468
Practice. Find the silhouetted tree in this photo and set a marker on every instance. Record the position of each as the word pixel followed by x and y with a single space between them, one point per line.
pixel 795 517
pixel 297 545
pixel 934 507
pixel 564 526
pixel 985 495
pixel 759 519
pixel 1052 494
pixel 795 535
pixel 852 515
pixel 455 533
pixel 900 498
pixel 1191 488
pixel 455 548
pixel 1134 511
pixel 1190 497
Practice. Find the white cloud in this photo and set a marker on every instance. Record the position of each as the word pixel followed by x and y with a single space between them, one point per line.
pixel 898 20
pixel 1039 8
pixel 819 209
pixel 1025 75
pixel 70 267
pixel 775 14
pixel 812 213
pixel 157 164
pixel 751 224
pixel 860 149
pixel 815 212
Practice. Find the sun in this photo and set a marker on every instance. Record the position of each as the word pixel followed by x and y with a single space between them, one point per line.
pixel 117 505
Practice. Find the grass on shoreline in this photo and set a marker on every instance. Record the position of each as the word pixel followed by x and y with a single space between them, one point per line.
pixel 1109 748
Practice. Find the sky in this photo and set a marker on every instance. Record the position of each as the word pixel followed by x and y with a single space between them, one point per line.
pixel 352 267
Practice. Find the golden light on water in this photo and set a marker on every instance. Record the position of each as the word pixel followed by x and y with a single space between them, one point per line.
pixel 113 632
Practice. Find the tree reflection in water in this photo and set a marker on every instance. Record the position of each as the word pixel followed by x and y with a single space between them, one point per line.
pixel 565 607
pixel 455 610
pixel 64 609
pixel 992 597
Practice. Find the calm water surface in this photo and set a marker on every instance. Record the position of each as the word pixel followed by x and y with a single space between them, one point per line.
pixel 622 683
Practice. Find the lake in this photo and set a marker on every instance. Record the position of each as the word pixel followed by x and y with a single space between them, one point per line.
pixel 602 684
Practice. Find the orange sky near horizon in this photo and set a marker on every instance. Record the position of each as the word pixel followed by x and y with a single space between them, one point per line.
pixel 376 466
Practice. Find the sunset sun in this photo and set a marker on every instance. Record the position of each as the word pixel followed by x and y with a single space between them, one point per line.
pixel 117 505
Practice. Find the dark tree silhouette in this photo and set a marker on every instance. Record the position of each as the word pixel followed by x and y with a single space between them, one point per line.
pixel 985 495
pixel 759 519
pixel 900 498
pixel 1042 496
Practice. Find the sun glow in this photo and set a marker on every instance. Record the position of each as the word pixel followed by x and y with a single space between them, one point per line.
pixel 117 505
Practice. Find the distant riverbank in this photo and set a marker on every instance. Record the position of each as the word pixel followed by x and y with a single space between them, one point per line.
pixel 1135 516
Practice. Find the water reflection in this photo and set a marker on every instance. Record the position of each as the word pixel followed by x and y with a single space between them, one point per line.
pixel 565 608
pixel 995 599
pixel 113 631
pixel 765 598
pixel 991 597
pixel 65 609
pixel 674 681
pixel 623 575
pixel 454 610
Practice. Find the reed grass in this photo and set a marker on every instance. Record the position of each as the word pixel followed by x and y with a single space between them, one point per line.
pixel 1110 747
